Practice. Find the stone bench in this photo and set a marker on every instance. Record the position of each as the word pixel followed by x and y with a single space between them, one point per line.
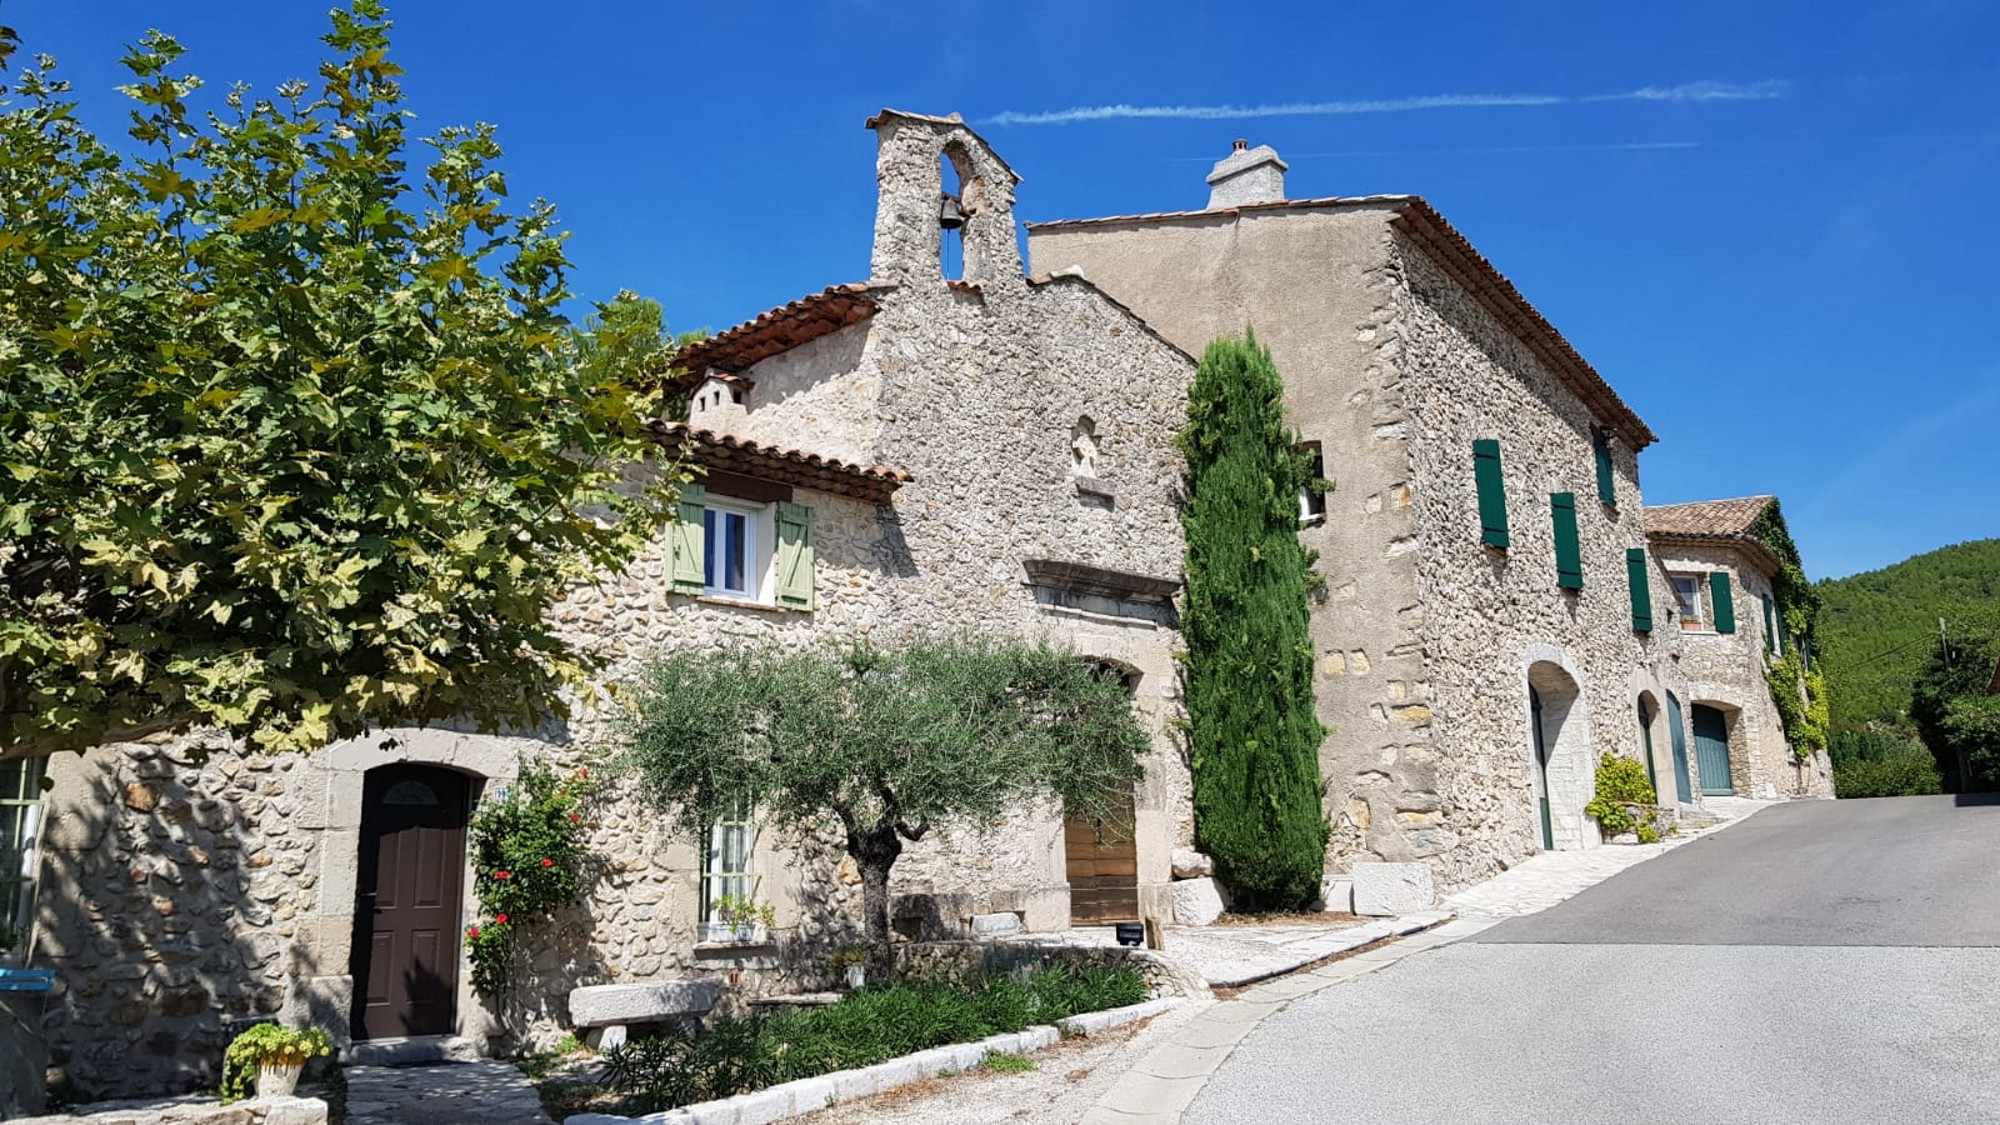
pixel 603 1011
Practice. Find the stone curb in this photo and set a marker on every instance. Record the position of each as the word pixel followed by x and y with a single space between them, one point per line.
pixel 808 1094
pixel 1347 941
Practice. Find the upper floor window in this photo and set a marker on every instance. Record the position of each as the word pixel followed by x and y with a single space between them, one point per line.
pixel 741 550
pixel 1687 595
pixel 732 566
pixel 1312 498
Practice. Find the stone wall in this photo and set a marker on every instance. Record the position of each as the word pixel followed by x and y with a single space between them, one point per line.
pixel 1726 671
pixel 1427 641
pixel 1495 622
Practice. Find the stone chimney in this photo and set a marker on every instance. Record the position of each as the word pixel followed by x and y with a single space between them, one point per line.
pixel 1247 175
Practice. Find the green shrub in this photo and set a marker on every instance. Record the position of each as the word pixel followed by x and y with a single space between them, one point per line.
pixel 528 857
pixel 1878 763
pixel 862 1028
pixel 1252 731
pixel 1620 782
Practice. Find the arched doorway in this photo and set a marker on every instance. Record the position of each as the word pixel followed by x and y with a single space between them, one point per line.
pixel 1559 733
pixel 1649 713
pixel 1711 750
pixel 1677 730
pixel 410 887
pixel 1101 854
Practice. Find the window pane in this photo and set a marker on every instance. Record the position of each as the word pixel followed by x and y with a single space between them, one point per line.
pixel 732 537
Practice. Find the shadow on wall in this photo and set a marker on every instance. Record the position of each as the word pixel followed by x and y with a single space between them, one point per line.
pixel 169 918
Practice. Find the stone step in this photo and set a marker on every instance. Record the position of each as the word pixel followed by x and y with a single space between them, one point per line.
pixel 418 1050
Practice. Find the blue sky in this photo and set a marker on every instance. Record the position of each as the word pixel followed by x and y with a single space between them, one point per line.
pixel 1770 226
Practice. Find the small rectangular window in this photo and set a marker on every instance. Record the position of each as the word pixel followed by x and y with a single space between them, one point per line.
pixel 725 870
pixel 730 562
pixel 1312 498
pixel 1687 593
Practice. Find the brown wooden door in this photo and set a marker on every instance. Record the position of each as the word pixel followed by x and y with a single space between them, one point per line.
pixel 1101 863
pixel 406 917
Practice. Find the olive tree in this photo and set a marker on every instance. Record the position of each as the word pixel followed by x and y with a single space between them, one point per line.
pixel 293 437
pixel 885 744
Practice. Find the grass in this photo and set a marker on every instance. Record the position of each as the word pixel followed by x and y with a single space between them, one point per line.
pixel 1008 1062
pixel 863 1028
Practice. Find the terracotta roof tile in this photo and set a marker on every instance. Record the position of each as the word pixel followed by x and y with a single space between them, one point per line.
pixel 874 484
pixel 779 330
pixel 1721 522
pixel 1706 517
pixel 1455 253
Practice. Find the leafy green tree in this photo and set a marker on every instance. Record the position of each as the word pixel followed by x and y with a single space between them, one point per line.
pixel 884 744
pixel 627 336
pixel 1881 626
pixel 292 440
pixel 1882 762
pixel 1957 717
pixel 1252 729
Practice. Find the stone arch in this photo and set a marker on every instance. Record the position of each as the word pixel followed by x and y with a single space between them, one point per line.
pixel 914 150
pixel 335 776
pixel 1084 449
pixel 1557 722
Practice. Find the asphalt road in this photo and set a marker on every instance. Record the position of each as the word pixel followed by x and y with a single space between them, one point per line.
pixel 1819 962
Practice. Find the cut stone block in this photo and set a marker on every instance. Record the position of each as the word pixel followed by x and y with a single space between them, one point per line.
pixel 1336 893
pixel 1383 890
pixel 994 925
pixel 1197 902
pixel 1191 864
pixel 601 1005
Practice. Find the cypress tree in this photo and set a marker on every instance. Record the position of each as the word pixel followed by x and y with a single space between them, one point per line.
pixel 1254 738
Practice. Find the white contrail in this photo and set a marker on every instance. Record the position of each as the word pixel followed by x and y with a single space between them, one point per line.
pixel 1686 92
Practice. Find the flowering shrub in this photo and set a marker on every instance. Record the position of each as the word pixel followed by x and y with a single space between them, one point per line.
pixel 528 856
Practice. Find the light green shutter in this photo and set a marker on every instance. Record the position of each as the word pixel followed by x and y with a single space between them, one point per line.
pixel 1607 492
pixel 1492 493
pixel 1723 600
pixel 795 556
pixel 1642 589
pixel 688 562
pixel 1569 552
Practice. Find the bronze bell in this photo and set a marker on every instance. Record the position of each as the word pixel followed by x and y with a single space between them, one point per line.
pixel 949 216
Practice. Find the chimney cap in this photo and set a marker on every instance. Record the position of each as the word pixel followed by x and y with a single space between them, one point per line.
pixel 1240 145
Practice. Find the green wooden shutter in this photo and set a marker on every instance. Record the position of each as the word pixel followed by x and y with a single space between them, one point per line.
pixel 687 564
pixel 1770 624
pixel 1492 493
pixel 1724 602
pixel 795 556
pixel 1642 590
pixel 1569 552
pixel 1607 492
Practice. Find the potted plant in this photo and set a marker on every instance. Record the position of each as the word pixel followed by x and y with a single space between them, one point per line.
pixel 739 920
pixel 275 1055
pixel 851 964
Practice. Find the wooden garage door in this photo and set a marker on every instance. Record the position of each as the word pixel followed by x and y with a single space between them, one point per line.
pixel 1101 861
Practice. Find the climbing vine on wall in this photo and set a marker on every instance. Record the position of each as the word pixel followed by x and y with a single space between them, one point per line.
pixel 1798 689
pixel 528 862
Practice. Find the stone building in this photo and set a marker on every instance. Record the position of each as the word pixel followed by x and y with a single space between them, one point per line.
pixel 933 448
pixel 1726 608
pixel 1479 643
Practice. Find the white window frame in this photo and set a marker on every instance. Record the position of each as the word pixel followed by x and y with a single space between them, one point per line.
pixel 20 824
pixel 728 862
pixel 1699 623
pixel 758 542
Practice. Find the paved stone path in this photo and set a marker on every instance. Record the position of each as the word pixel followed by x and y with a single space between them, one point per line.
pixel 1235 956
pixel 487 1092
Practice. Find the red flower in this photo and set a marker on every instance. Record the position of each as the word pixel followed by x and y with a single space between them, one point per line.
pixel 574 817
pixel 583 772
pixel 547 862
pixel 500 919
pixel 472 931
pixel 502 875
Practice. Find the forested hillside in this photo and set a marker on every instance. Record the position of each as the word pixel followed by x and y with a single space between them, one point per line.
pixel 1880 628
